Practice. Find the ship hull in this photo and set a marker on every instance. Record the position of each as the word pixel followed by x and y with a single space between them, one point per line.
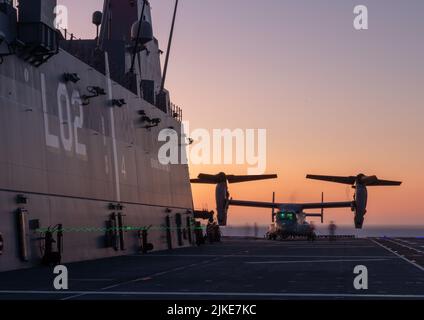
pixel 74 165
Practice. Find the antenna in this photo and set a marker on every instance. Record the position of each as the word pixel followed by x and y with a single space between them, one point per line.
pixel 171 34
pixel 273 212
pixel 105 32
pixel 322 207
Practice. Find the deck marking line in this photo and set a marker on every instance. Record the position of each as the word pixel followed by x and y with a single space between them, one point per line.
pixel 76 279
pixel 259 256
pixel 402 257
pixel 241 294
pixel 142 279
pixel 311 261
pixel 403 245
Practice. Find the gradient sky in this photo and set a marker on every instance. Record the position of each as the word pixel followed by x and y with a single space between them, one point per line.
pixel 334 100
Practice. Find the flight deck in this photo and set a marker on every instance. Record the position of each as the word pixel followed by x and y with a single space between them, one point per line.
pixel 238 269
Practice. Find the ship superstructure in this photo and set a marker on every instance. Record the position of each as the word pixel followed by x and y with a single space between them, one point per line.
pixel 80 176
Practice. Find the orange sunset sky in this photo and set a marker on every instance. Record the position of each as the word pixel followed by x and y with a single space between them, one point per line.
pixel 333 100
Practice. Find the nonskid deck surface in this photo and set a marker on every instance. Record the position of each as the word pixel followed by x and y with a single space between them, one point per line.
pixel 238 269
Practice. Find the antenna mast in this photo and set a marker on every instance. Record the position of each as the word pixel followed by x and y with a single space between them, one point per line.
pixel 162 87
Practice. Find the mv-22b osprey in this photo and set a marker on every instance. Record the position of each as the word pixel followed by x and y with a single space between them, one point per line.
pixel 290 217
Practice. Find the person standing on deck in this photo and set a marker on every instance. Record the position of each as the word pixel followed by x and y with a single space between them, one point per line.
pixel 332 231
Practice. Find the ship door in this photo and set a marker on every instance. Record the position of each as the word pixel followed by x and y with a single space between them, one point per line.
pixel 178 221
pixel 168 232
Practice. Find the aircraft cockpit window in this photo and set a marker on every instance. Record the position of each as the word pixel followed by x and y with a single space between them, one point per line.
pixel 287 216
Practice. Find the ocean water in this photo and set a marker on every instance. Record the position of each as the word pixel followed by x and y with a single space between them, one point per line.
pixel 367 231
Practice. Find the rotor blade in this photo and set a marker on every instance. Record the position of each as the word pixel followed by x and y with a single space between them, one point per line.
pixel 237 178
pixel 379 182
pixel 202 181
pixel 209 177
pixel 367 180
pixel 345 180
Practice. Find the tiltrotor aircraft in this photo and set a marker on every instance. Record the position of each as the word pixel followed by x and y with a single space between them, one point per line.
pixel 290 217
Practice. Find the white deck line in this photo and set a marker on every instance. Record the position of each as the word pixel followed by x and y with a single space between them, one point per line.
pixel 400 256
pixel 217 294
pixel 404 245
pixel 258 256
pixel 315 261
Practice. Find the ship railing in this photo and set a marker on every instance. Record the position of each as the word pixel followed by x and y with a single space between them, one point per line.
pixel 175 111
pixel 66 33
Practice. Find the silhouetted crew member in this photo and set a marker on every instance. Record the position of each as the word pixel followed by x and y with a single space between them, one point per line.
pixel 255 230
pixel 216 232
pixel 311 235
pixel 210 231
pixel 50 257
pixel 199 234
pixel 332 230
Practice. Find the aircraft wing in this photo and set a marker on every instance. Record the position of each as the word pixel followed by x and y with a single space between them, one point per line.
pixel 256 204
pixel 325 205
pixel 297 206
pixel 202 181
